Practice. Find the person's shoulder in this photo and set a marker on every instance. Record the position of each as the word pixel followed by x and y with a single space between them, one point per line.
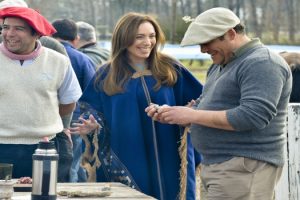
pixel 292 59
pixel 72 52
pixel 103 70
pixel 81 54
pixel 52 43
pixel 85 58
pixel 259 54
pixel 273 57
pixel 54 53
pixel 56 59
pixel 95 49
pixel 264 60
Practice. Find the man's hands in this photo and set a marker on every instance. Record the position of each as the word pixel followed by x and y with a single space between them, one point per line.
pixel 181 115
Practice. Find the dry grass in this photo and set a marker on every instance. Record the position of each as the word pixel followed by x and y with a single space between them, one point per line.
pixel 198 68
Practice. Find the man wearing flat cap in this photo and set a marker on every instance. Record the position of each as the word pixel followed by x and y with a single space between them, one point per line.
pixel 37 87
pixel 237 124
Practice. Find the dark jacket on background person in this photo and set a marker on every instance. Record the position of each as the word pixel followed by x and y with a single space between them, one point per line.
pixel 293 59
pixel 295 95
pixel 84 67
pixel 87 43
pixel 97 54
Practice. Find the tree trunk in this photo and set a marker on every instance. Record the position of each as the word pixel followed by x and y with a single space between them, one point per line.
pixel 291 20
pixel 146 6
pixel 263 23
pixel 157 6
pixel 199 7
pixel 231 5
pixel 276 20
pixel 165 7
pixel 254 23
pixel 238 8
pixel 173 22
pixel 189 7
pixel 182 7
pixel 216 3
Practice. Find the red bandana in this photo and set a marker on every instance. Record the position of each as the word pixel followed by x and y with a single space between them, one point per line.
pixel 32 17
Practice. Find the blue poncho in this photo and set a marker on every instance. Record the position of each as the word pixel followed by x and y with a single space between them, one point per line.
pixel 131 133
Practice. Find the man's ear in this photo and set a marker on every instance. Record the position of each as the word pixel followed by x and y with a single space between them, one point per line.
pixel 231 34
pixel 76 41
pixel 37 35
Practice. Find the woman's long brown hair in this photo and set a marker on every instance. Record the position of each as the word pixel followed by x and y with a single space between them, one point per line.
pixel 119 71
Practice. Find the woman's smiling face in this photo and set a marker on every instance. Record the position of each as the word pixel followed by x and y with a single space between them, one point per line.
pixel 143 44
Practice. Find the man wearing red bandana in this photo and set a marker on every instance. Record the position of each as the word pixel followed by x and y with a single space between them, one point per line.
pixel 37 87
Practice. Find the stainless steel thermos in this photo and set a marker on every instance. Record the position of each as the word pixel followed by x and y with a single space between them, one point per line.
pixel 44 172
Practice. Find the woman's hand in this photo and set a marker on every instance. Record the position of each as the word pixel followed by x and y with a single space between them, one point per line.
pixel 191 103
pixel 153 111
pixel 180 115
pixel 85 126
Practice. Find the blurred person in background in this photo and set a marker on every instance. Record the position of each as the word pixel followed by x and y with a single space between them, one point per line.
pixel 293 60
pixel 87 44
pixel 84 69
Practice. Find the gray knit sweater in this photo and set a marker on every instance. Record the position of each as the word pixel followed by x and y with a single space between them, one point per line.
pixel 254 89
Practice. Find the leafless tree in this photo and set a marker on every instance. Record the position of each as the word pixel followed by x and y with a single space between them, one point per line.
pixel 173 21
pixel 261 17
pixel 291 19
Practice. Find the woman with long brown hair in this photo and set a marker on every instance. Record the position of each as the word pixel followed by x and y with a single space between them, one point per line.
pixel 140 152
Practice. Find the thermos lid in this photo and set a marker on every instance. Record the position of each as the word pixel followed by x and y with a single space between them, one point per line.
pixel 46 145
pixel 45 148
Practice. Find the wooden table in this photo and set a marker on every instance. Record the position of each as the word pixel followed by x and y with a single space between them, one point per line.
pixel 118 191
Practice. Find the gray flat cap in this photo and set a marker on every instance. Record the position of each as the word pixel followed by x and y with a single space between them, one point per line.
pixel 209 25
